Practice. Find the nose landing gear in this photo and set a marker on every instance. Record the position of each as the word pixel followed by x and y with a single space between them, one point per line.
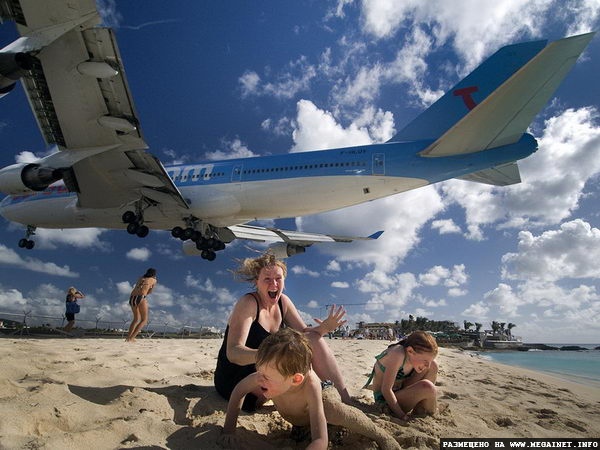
pixel 26 242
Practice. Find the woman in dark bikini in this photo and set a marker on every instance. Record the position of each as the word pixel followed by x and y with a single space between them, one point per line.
pixel 259 314
pixel 139 304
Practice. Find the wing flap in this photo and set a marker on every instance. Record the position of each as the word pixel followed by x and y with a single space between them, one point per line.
pixel 262 234
pixel 115 178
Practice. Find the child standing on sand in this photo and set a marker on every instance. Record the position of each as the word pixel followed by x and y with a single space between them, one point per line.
pixel 404 376
pixel 285 376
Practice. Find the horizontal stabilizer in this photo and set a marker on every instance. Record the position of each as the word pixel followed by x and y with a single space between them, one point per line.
pixel 503 117
pixel 503 175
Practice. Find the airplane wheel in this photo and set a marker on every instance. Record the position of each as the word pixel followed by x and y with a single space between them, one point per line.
pixel 29 245
pixel 23 243
pixel 142 231
pixel 132 228
pixel 209 255
pixel 196 236
pixel 176 232
pixel 201 244
pixel 188 233
pixel 219 245
pixel 129 217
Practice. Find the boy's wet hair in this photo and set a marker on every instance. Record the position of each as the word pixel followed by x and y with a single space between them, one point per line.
pixel 249 268
pixel 288 350
pixel 421 342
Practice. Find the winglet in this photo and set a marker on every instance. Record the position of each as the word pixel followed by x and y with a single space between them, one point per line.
pixel 376 235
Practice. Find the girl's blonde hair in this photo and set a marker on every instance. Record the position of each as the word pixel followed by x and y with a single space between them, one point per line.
pixel 288 350
pixel 249 268
pixel 72 290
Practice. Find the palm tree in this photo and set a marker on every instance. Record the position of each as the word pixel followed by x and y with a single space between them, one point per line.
pixel 495 326
pixel 467 325
pixel 478 326
pixel 510 326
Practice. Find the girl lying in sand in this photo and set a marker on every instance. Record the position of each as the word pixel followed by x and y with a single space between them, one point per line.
pixel 285 376
pixel 404 376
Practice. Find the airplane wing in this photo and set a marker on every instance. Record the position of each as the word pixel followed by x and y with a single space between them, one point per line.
pixel 261 234
pixel 79 94
pixel 503 117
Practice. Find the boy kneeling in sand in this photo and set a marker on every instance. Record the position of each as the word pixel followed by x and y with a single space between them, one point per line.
pixel 284 373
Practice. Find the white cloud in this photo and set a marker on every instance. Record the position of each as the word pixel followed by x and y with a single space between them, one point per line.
pixel 139 254
pixel 434 276
pixel 503 297
pixel 554 178
pixel 10 258
pixel 234 149
pixel 316 129
pixel 478 311
pixel 340 284
pixel 249 82
pixel 301 270
pixel 572 251
pixel 445 226
pixel 295 78
pixel 46 238
pixel 333 266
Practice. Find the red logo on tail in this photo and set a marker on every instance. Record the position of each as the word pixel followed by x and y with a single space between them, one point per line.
pixel 465 93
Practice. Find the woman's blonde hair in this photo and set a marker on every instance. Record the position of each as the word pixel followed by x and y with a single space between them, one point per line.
pixel 249 268
pixel 288 350
pixel 72 290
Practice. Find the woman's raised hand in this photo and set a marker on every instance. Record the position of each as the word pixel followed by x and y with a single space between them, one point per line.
pixel 333 320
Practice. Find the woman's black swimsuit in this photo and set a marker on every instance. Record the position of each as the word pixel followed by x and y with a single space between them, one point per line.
pixel 228 374
pixel 135 300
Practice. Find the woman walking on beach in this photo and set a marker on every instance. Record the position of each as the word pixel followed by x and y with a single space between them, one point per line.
pixel 404 376
pixel 139 303
pixel 261 313
pixel 72 307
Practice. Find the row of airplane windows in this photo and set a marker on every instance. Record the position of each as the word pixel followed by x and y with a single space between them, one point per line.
pixel 308 166
pixel 274 169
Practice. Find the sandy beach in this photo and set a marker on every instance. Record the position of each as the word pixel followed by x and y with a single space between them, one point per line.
pixel 82 393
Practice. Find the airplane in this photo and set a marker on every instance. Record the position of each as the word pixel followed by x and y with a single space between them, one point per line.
pixel 103 176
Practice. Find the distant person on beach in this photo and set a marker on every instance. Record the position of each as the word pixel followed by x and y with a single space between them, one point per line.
pixel 139 303
pixel 284 375
pixel 72 307
pixel 404 376
pixel 257 315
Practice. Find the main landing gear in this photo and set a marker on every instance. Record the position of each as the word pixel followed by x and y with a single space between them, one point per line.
pixel 135 223
pixel 26 242
pixel 208 242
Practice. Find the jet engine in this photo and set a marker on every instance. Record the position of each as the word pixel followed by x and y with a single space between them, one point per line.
pixel 12 67
pixel 283 250
pixel 26 178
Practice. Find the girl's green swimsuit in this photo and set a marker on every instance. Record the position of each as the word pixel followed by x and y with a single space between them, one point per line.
pixel 400 375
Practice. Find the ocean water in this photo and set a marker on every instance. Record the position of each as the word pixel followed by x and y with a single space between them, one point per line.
pixel 579 366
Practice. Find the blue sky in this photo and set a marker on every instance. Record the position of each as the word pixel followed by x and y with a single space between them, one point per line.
pixel 230 79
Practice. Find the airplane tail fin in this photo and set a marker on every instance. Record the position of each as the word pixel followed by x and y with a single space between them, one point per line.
pixel 495 103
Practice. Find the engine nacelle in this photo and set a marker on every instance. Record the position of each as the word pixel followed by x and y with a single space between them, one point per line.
pixel 12 67
pixel 282 250
pixel 26 178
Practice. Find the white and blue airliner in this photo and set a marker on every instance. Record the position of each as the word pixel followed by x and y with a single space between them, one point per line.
pixel 103 176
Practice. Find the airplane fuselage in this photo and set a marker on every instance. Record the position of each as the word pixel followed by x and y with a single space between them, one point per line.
pixel 229 192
